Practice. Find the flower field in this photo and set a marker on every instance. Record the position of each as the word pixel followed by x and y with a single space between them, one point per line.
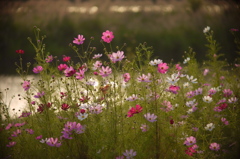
pixel 106 106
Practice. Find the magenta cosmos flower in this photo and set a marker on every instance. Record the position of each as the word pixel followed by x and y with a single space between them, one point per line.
pixel 37 69
pixel 26 85
pixel 214 146
pixel 105 71
pixel 107 36
pixel 162 68
pixel 134 110
pixel 150 117
pixel 62 67
pixel 190 141
pixel 79 40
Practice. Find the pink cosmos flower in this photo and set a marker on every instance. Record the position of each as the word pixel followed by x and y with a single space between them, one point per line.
pixel 19 124
pixel 62 67
pixel 105 71
pixel 224 120
pixel 135 110
pixel 11 144
pixel 96 109
pixel 173 89
pixel 205 72
pixel 9 126
pixel 49 59
pixel 53 142
pixel 97 64
pixel 150 117
pixel 37 69
pixel 39 94
pixel 227 92
pixel 79 40
pixel 162 68
pixel 178 67
pixel 80 74
pixel 144 78
pixel 168 106
pixel 66 58
pixel 118 56
pixel 212 91
pixel 39 137
pixel 214 146
pixel 26 85
pixel 25 114
pixel 69 71
pixel 16 133
pixel 126 77
pixel 129 154
pixel 107 36
pixel 190 141
pixel 29 131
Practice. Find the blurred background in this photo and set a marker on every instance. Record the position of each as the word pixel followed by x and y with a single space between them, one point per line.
pixel 169 26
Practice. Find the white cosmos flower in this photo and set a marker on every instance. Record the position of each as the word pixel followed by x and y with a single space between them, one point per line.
pixel 207 29
pixel 186 84
pixel 210 127
pixel 173 79
pixel 155 62
pixel 207 99
pixel 191 79
pixel 82 116
pixel 186 60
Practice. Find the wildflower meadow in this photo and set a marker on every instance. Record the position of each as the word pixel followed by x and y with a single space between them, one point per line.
pixel 106 106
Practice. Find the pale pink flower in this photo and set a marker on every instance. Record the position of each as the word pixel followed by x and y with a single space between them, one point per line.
pixel 150 117
pixel 144 78
pixel 232 100
pixel 96 56
pixel 80 74
pixel 79 40
pixel 97 64
pixel 132 97
pixel 144 127
pixel 129 154
pixel 105 71
pixel 205 72
pixel 162 68
pixel 118 56
pixel 9 126
pixel 107 36
pixel 96 109
pixel 214 146
pixel 49 59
